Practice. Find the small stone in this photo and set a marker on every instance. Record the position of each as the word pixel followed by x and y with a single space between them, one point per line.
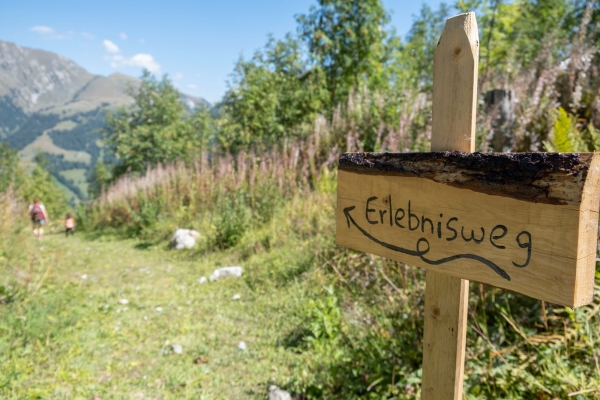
pixel 124 301
pixel 84 277
pixel 241 346
pixel 277 394
pixel 159 309
pixel 201 280
pixel 225 272
pixel 145 318
pixel 177 348
pixel 42 248
pixel 236 297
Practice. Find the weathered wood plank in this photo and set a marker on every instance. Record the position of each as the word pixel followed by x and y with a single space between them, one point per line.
pixel 544 250
pixel 551 178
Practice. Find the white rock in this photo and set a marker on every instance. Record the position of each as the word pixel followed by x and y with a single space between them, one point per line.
pixel 201 280
pixel 177 348
pixel 224 272
pixel 241 346
pixel 236 297
pixel 124 301
pixel 277 394
pixel 184 239
pixel 159 309
pixel 84 276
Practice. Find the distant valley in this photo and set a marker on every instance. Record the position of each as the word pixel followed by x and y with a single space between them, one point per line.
pixel 50 104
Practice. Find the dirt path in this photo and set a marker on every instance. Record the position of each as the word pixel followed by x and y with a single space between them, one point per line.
pixel 102 318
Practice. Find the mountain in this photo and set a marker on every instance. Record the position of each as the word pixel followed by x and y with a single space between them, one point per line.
pixel 50 104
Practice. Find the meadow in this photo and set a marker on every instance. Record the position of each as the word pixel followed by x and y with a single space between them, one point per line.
pixel 98 314
pixel 115 313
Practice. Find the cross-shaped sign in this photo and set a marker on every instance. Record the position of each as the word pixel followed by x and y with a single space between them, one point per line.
pixel 526 222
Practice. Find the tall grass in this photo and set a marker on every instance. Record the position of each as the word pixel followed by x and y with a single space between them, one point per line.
pixel 15 263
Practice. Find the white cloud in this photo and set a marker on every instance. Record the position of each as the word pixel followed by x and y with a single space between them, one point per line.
pixel 43 30
pixel 144 61
pixel 139 60
pixel 191 86
pixel 178 76
pixel 110 46
pixel 88 35
pixel 48 33
pixel 123 36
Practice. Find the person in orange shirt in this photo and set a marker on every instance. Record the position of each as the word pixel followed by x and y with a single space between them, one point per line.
pixel 70 225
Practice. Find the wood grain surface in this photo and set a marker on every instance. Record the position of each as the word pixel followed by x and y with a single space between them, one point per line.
pixel 546 251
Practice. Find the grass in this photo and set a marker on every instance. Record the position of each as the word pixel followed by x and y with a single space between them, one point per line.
pixel 318 320
pixel 70 337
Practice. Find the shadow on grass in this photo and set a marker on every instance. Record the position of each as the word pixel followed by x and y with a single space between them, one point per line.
pixel 144 245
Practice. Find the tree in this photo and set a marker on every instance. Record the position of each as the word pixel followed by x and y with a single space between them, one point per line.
pixel 99 179
pixel 271 97
pixel 153 130
pixel 348 40
pixel 11 173
pixel 414 62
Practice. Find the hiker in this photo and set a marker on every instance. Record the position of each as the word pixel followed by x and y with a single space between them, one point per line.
pixel 39 217
pixel 69 225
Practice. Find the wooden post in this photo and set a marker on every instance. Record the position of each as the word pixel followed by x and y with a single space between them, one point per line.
pixel 525 222
pixel 446 297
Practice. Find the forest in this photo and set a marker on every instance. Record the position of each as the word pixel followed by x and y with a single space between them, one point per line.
pixel 256 176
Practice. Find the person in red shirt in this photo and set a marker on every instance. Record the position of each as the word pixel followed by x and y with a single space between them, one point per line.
pixel 39 217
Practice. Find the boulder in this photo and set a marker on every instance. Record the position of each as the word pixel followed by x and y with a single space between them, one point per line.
pixel 184 239
pixel 277 394
pixel 224 272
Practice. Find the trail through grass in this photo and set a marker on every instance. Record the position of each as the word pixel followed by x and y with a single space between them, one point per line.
pixel 103 315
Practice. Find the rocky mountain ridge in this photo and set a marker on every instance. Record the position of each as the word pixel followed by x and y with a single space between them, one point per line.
pixel 33 80
pixel 51 105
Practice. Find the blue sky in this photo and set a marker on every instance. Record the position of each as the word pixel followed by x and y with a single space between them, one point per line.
pixel 195 42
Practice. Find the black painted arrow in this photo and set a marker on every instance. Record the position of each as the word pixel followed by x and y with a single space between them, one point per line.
pixel 421 253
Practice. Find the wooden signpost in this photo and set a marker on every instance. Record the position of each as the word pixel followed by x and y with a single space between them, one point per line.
pixel 526 222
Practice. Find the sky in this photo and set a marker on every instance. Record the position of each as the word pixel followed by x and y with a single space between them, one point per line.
pixel 195 42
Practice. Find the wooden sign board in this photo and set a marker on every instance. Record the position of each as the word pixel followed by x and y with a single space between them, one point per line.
pixel 526 222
